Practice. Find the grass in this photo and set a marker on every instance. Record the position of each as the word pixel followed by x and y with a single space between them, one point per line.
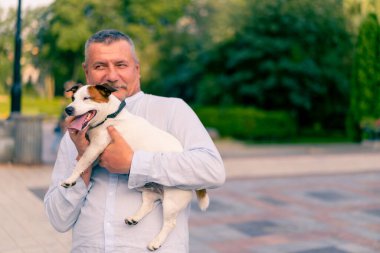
pixel 51 108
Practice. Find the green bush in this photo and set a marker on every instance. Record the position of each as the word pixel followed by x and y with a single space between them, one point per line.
pixel 248 123
pixel 370 128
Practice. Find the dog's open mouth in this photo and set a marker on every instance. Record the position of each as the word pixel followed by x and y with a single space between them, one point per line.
pixel 80 122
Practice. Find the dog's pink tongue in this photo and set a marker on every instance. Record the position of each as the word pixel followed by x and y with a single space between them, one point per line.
pixel 77 123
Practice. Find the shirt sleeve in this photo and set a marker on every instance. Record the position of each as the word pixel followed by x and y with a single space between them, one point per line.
pixel 199 166
pixel 63 205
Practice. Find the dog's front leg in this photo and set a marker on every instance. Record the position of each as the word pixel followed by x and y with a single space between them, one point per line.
pixel 88 158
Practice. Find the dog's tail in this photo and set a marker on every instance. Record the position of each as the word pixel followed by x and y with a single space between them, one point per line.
pixel 203 199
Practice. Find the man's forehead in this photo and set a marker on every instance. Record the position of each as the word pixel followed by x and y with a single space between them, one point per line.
pixel 119 45
pixel 103 52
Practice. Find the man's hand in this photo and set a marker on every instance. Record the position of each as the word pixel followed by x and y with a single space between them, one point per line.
pixel 117 157
pixel 78 137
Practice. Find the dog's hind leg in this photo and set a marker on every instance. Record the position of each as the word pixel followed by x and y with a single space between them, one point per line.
pixel 147 205
pixel 174 201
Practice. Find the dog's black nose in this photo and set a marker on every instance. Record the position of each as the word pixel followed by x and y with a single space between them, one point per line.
pixel 69 110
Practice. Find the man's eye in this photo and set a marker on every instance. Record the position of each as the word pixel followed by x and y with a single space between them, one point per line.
pixel 121 65
pixel 99 67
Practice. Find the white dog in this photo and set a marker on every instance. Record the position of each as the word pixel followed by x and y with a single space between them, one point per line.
pixel 96 108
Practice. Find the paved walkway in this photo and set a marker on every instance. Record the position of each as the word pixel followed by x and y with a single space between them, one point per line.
pixel 277 199
pixel 307 214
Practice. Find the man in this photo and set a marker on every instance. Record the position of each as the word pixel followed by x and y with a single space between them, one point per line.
pixel 95 208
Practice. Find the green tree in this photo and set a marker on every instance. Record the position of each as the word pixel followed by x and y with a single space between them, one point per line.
pixel 7 25
pixel 7 37
pixel 68 23
pixel 289 55
pixel 186 45
pixel 365 88
pixel 64 28
pixel 275 55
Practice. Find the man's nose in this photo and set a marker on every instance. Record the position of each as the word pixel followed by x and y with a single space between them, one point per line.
pixel 112 75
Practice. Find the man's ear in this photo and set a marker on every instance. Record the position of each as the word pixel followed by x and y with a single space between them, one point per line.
pixel 105 89
pixel 85 70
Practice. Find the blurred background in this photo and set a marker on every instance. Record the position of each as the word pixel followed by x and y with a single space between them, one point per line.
pixel 281 71
pixel 289 90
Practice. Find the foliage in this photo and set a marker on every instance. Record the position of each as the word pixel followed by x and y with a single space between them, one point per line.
pixel 370 129
pixel 282 55
pixel 286 55
pixel 7 37
pixel 186 46
pixel 365 88
pixel 356 10
pixel 248 123
pixel 7 24
pixel 289 55
pixel 67 24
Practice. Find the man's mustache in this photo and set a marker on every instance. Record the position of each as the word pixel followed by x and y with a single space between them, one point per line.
pixel 117 85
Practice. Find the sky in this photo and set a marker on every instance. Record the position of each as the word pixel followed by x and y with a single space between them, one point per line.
pixel 25 3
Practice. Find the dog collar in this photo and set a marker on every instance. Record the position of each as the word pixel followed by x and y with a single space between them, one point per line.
pixel 112 115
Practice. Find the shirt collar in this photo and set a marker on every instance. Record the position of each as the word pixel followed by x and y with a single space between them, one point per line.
pixel 134 97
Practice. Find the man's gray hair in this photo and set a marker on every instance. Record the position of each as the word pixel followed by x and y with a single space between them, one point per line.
pixel 107 37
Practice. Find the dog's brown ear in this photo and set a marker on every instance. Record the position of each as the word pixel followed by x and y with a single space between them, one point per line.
pixel 74 88
pixel 105 89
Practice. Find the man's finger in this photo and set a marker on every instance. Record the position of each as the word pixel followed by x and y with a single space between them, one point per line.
pixel 71 131
pixel 115 135
pixel 69 119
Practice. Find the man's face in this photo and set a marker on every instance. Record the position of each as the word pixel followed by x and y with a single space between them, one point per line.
pixel 113 64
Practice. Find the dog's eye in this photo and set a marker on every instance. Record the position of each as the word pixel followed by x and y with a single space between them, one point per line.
pixel 72 98
pixel 85 98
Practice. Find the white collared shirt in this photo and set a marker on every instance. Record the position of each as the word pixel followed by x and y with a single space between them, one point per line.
pixel 96 213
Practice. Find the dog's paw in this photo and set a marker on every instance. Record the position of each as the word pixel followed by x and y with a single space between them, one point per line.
pixel 68 184
pixel 130 221
pixel 154 245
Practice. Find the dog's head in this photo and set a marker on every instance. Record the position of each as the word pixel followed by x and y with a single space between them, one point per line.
pixel 89 105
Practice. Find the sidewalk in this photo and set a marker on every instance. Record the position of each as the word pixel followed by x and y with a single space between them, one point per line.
pixel 277 199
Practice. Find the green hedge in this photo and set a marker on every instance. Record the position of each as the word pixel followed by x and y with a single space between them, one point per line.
pixel 248 123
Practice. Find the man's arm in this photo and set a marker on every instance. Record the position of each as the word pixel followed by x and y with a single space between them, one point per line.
pixel 198 166
pixel 63 205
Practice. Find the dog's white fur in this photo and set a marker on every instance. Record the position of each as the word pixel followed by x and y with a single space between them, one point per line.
pixel 140 135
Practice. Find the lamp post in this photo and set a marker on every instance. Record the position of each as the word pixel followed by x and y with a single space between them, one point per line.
pixel 16 87
pixel 27 132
